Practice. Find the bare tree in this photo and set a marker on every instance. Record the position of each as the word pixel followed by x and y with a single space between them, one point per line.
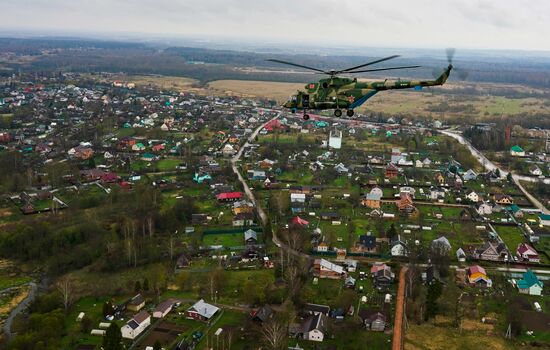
pixel 274 334
pixel 65 286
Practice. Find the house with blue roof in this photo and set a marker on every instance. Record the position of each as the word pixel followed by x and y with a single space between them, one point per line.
pixel 530 284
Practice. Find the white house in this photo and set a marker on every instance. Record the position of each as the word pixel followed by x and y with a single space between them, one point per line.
pixel 163 308
pixel 377 191
pixel 314 328
pixel 136 325
pixel 472 196
pixel 517 151
pixel 535 170
pixel 398 249
pixel 335 139
pixel 484 208
pixel 530 284
pixel 470 175
pixel 544 219
pixel 297 197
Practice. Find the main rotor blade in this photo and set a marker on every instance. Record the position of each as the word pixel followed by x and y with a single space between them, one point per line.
pixel 298 65
pixel 382 69
pixel 450 54
pixel 368 64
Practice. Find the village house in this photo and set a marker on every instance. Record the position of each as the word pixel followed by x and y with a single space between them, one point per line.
pixel 366 244
pixel 314 328
pixel 250 237
pixel 391 171
pixel 439 179
pixel 183 262
pixel 398 248
pixel 405 204
pixel 484 208
pixel 229 196
pixel 322 247
pixel 515 210
pixel 136 325
pixel 441 245
pixel 491 251
pixel 530 284
pixel 436 193
pixel 469 175
pixel 243 219
pixel 202 311
pixel 242 206
pixel 382 275
pixel 325 269
pixel 477 277
pixel 517 151
pixel 544 219
pixel 472 196
pixel 263 314
pixel 163 308
pixel 136 303
pixel 535 170
pixel 373 319
pixel 503 199
pixel 527 253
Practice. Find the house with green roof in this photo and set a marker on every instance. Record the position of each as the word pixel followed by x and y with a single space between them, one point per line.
pixel 517 151
pixel 530 284
pixel 148 157
pixel 515 210
pixel 544 219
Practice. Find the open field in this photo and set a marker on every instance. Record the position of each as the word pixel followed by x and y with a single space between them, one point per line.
pixel 430 337
pixel 266 89
pixel 164 82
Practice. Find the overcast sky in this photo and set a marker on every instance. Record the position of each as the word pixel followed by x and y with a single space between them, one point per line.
pixel 483 24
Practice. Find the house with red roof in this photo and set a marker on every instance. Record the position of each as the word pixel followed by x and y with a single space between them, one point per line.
pixel 274 124
pixel 229 196
pixel 527 253
pixel 391 171
pixel 158 148
pixel 299 221
pixel 109 177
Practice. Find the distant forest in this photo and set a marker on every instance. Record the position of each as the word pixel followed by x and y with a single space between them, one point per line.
pixel 135 58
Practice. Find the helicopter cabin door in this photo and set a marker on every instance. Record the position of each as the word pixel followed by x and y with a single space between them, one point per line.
pixel 305 101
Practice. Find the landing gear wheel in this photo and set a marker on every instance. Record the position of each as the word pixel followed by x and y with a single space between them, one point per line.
pixel 306 116
pixel 338 113
pixel 350 112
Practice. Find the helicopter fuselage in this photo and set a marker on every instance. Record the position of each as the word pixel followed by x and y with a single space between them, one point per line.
pixel 348 93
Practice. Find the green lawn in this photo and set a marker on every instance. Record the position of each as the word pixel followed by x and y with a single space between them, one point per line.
pixel 8 281
pixel 511 235
pixel 226 239
pixel 167 164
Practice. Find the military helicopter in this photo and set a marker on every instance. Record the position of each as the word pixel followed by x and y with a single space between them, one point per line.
pixel 340 93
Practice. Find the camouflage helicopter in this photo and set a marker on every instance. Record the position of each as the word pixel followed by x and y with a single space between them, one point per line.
pixel 340 93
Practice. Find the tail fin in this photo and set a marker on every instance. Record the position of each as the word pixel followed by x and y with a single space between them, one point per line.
pixel 445 75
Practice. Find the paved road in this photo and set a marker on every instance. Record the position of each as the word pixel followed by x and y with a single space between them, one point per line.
pixel 487 164
pixel 18 309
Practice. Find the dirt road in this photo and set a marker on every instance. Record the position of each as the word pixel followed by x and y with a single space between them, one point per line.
pixel 398 330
